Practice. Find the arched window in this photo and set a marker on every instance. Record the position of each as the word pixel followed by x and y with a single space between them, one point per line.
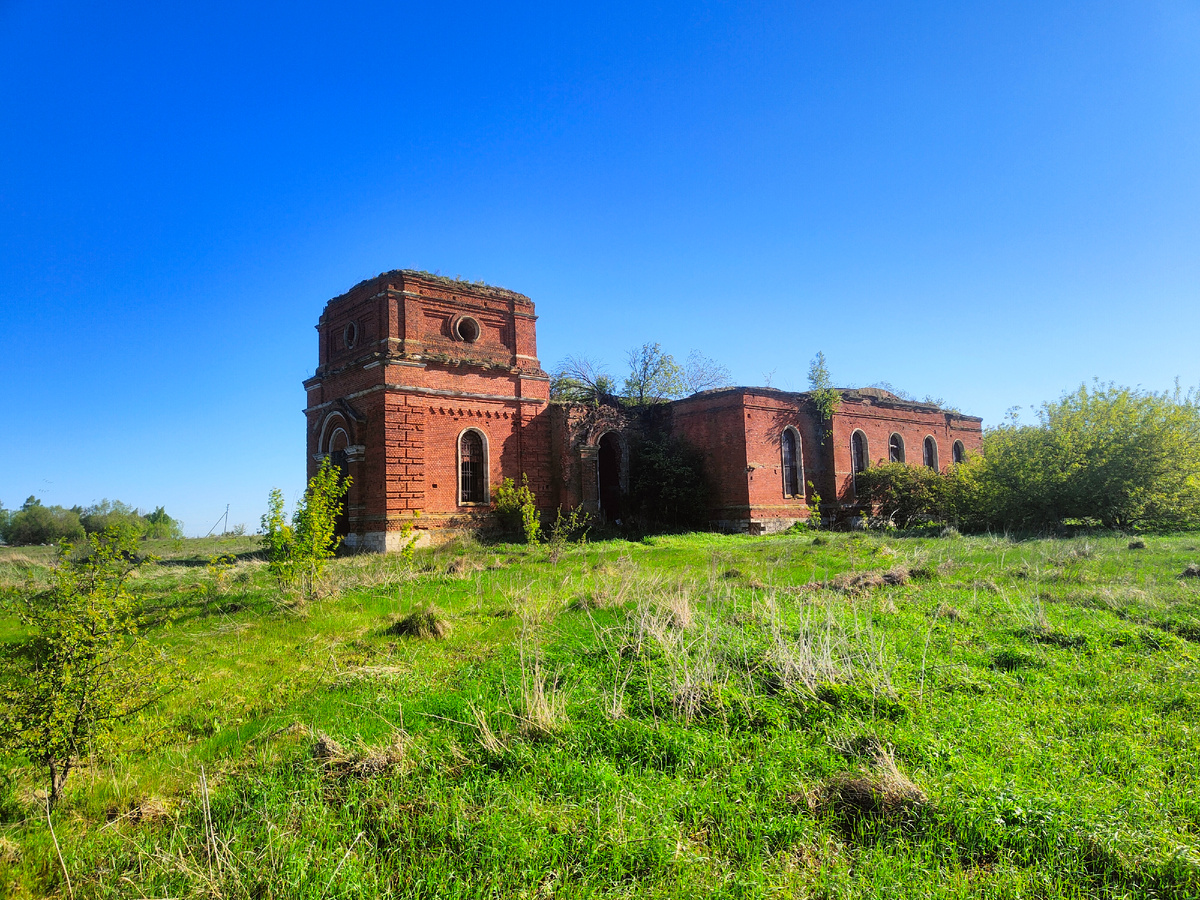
pixel 931 459
pixel 896 449
pixel 858 452
pixel 793 463
pixel 960 452
pixel 472 468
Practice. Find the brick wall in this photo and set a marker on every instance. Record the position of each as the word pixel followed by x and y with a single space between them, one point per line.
pixel 878 416
pixel 408 361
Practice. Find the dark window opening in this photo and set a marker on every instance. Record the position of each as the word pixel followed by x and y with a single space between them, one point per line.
pixel 791 465
pixel 472 469
pixel 931 455
pixel 896 449
pixel 858 452
pixel 960 452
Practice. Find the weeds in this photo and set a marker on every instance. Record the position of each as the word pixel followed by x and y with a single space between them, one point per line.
pixel 626 719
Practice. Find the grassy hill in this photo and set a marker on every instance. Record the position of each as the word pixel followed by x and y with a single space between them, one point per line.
pixel 845 715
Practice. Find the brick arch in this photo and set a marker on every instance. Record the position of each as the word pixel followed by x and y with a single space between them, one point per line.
pixel 334 423
pixel 621 488
pixel 338 440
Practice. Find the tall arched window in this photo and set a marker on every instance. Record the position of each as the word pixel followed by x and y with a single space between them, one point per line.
pixel 896 449
pixel 960 452
pixel 931 459
pixel 793 463
pixel 472 468
pixel 858 452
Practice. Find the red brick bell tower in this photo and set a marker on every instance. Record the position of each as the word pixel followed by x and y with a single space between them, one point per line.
pixel 428 392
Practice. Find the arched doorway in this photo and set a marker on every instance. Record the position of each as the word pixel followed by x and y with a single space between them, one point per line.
pixel 608 477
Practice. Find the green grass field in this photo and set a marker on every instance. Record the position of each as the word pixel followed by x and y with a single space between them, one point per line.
pixel 841 715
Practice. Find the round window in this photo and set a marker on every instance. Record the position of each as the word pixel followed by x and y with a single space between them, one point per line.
pixel 350 335
pixel 466 329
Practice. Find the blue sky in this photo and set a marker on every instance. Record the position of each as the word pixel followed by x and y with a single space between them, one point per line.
pixel 985 202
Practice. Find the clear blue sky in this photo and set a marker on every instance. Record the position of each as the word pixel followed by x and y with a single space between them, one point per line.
pixel 986 202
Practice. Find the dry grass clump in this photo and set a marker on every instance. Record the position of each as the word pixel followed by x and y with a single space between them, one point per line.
pixel 678 606
pixel 462 566
pixel 426 622
pixel 1137 545
pixel 1191 571
pixel 861 582
pixel 543 704
pixel 10 851
pixel 880 792
pixel 611 588
pixel 953 613
pixel 488 739
pixel 815 654
pixel 364 761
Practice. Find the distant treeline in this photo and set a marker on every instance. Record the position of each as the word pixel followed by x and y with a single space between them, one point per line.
pixel 34 523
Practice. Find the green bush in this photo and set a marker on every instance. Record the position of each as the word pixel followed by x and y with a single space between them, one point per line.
pixel 516 507
pixel 298 551
pixel 85 665
pixel 905 495
pixel 1120 457
pixel 159 525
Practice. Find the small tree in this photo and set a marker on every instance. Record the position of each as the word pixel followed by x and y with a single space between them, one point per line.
pixel 702 374
pixel 86 665
pixel 825 396
pixel 299 550
pixel 160 525
pixel 653 377
pixel 580 379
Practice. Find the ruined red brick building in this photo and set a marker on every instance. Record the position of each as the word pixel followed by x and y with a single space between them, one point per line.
pixel 429 392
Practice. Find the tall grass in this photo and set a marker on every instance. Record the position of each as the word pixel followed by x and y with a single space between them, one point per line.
pixel 692 715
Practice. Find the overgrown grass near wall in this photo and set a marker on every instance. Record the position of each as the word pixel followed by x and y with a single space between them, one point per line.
pixel 845 716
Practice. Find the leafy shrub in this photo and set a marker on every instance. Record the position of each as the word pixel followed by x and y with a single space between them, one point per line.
pixel 86 665
pixel 107 513
pixel 903 494
pixel 574 526
pixel 299 550
pixel 1122 457
pixel 517 509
